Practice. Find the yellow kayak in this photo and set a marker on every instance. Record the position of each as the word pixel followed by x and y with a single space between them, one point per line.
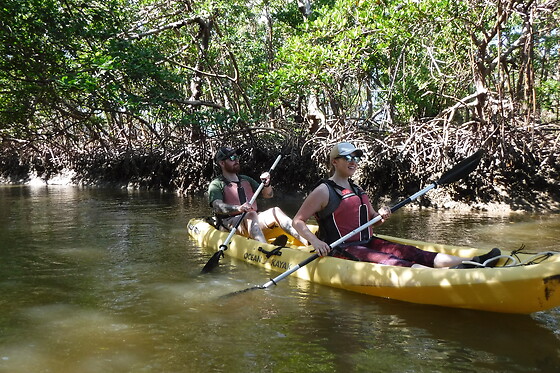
pixel 521 282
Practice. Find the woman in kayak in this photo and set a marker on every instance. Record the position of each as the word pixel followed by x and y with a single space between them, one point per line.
pixel 340 206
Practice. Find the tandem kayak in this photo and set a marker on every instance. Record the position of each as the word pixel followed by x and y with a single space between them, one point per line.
pixel 521 283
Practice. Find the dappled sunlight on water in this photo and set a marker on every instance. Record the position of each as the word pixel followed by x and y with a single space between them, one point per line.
pixel 67 338
pixel 97 280
pixel 515 234
pixel 508 231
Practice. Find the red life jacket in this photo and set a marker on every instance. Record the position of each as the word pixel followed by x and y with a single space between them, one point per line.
pixel 344 212
pixel 238 192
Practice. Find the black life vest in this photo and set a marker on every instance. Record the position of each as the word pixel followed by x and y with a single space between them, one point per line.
pixel 346 210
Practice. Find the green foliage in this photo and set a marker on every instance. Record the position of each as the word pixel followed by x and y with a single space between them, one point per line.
pixel 62 57
pixel 549 94
pixel 413 55
pixel 151 72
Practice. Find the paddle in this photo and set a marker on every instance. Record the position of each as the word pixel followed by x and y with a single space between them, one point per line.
pixel 458 172
pixel 215 259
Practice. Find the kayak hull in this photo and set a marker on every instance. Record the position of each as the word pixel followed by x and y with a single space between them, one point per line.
pixel 520 289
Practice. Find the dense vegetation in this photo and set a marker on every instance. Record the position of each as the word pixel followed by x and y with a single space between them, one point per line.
pixel 142 92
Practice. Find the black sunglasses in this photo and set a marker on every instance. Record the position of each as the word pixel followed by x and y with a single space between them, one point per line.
pixel 351 158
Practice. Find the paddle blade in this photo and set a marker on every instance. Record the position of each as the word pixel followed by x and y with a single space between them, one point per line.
pixel 241 291
pixel 461 169
pixel 213 262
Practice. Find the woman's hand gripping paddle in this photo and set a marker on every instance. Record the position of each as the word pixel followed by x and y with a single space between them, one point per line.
pixel 215 259
pixel 458 172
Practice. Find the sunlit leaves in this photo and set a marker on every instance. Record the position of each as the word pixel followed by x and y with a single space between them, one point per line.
pixel 116 58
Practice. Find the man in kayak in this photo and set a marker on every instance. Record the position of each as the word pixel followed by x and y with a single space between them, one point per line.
pixel 230 193
pixel 340 206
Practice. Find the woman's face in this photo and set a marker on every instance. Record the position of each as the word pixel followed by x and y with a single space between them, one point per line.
pixel 346 165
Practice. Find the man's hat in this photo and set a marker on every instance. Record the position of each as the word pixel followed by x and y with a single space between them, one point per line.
pixel 344 148
pixel 226 152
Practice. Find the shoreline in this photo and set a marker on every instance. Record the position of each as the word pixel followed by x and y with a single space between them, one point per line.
pixel 437 199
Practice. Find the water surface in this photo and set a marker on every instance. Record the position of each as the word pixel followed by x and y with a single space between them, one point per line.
pixel 104 280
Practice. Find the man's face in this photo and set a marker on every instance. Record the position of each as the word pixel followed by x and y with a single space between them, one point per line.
pixel 232 165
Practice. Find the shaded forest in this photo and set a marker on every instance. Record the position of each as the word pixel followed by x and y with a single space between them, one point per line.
pixel 142 93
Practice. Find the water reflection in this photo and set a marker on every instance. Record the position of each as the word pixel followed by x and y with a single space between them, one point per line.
pixel 93 341
pixel 106 280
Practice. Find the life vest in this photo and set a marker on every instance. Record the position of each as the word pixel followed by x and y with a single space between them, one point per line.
pixel 346 210
pixel 238 192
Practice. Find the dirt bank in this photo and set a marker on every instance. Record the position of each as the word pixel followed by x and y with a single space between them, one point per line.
pixel 387 180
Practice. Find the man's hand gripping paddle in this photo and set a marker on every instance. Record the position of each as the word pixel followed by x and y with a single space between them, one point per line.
pixel 215 259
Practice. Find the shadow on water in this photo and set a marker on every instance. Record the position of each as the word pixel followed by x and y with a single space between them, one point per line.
pixel 108 281
pixel 515 342
pixel 362 333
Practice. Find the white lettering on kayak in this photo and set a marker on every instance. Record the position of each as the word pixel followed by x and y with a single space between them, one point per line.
pixel 193 228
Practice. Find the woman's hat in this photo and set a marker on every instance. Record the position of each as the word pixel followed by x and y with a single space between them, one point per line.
pixel 345 148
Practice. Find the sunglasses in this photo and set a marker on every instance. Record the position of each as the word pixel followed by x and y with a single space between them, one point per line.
pixel 351 158
pixel 233 157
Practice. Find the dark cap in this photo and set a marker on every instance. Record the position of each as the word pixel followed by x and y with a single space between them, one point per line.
pixel 226 152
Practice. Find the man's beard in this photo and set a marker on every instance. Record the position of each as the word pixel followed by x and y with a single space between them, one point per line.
pixel 233 168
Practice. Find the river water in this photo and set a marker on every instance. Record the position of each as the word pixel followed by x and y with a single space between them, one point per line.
pixel 107 280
